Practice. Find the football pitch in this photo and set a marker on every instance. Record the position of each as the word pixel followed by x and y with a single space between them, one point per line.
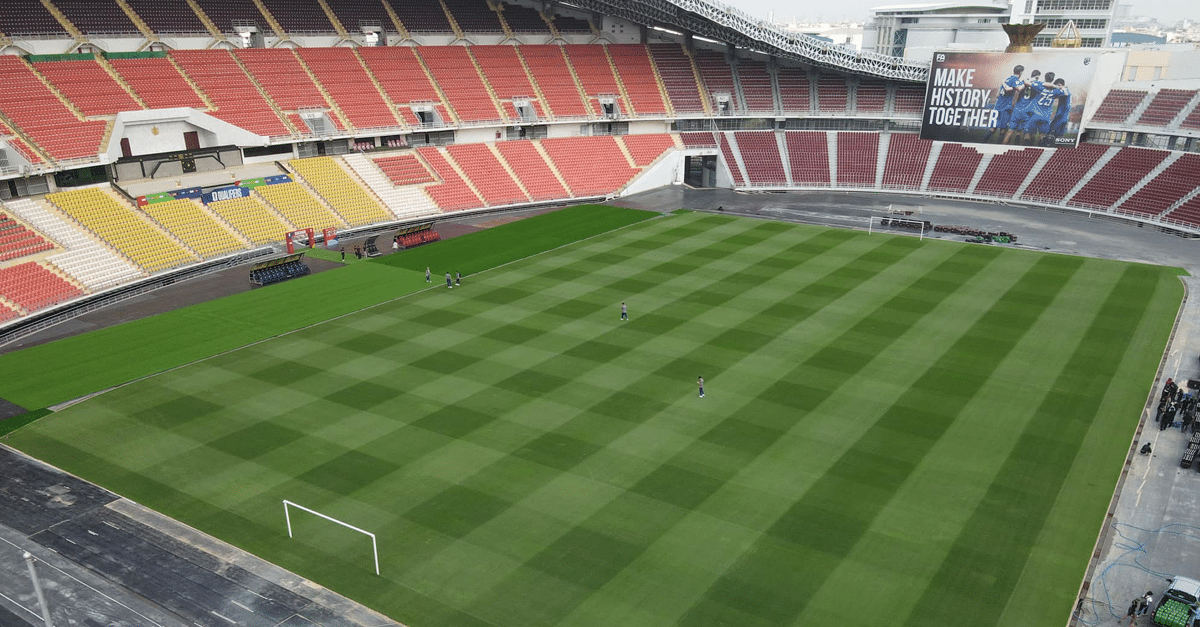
pixel 895 432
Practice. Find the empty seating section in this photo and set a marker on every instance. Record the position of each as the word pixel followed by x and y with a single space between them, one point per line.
pixel 293 202
pixel 280 74
pixel 157 83
pixel 906 158
pixel 96 17
pixel 252 219
pixel 1193 119
pixel 808 156
pixel 1167 104
pixel 504 72
pixel 474 16
pixel 795 95
pixel 299 17
pixel 698 140
pixel 167 16
pixel 857 157
pixel 404 202
pixel 485 172
pixel 343 76
pixel 832 94
pixel 455 74
pixel 401 76
pixel 187 220
pixel 637 75
pixel 223 13
pixel 353 14
pixel 954 169
pixel 646 149
pixel 522 19
pixel 1127 167
pixel 421 17
pixel 1062 172
pixel 452 194
pixel 121 227
pixel 532 170
pixel 909 99
pixel 17 144
pixel 404 170
pixel 88 87
pixel 86 259
pixel 549 69
pixel 592 166
pixel 717 77
pixel 678 77
pixel 8 313
pixel 760 154
pixel 595 74
pixel 735 171
pixel 16 241
pixel 870 97
pixel 757 86
pixel 340 191
pixel 569 24
pixel 1188 212
pixel 1166 189
pixel 36 111
pixel 1118 104
pixel 237 100
pixel 28 17
pixel 31 286
pixel 1006 172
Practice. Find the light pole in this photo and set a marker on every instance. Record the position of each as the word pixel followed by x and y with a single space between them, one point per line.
pixel 37 588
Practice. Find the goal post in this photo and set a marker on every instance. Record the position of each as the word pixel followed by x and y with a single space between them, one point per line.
pixel 288 516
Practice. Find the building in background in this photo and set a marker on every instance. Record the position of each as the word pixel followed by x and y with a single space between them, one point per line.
pixel 1093 18
pixel 915 31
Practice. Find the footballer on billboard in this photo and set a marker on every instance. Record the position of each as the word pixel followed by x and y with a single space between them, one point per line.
pixel 1021 99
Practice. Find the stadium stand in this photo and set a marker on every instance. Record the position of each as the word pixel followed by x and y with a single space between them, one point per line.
pixel 454 72
pixel 280 74
pixel 187 220
pixel 549 69
pixel 832 94
pixel 404 170
pixel 637 74
pixel 1166 189
pixel 679 78
pixel 718 78
pixel 728 153
pixel 354 14
pixel 28 17
pixel 954 168
pixel 1192 120
pixel 156 81
pixel 223 13
pixel 1062 172
pixel 909 99
pixel 92 90
pixel 567 24
pixel 96 17
pixel 404 202
pixel 292 201
pixel 16 241
pixel 122 227
pixel 503 70
pixel 857 157
pixel 493 181
pixel 794 90
pixel 399 72
pixel 1004 175
pixel 31 286
pixel 760 154
pixel 870 97
pixel 1167 104
pixel 698 140
pixel 299 17
pixel 7 312
pixel 757 86
pixel 1114 179
pixel 808 157
pixel 646 149
pixel 522 19
pixel 453 193
pixel 18 144
pixel 253 219
pixel 339 71
pixel 474 16
pixel 1118 104
pixel 1187 212
pixel 595 75
pixel 421 17
pixel 603 171
pixel 39 113
pixel 238 101
pixel 532 170
pixel 347 197
pixel 168 16
pixel 906 158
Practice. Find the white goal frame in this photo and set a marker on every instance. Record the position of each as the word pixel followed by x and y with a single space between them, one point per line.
pixel 871 224
pixel 287 515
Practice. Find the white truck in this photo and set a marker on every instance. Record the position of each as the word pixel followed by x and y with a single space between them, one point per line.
pixel 1179 605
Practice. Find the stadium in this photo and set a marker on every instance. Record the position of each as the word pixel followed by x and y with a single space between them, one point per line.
pixel 428 407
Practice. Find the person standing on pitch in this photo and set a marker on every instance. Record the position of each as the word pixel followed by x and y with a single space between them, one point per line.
pixel 343 253
pixel 700 382
pixel 427 275
pixel 449 281
pixel 457 277
pixel 624 312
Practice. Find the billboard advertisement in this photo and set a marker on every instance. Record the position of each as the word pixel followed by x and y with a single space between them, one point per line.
pixel 1019 99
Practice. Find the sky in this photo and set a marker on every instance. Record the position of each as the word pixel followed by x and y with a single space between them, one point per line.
pixel 1166 11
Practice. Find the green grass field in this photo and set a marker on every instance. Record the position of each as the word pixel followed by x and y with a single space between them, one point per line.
pixel 895 432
